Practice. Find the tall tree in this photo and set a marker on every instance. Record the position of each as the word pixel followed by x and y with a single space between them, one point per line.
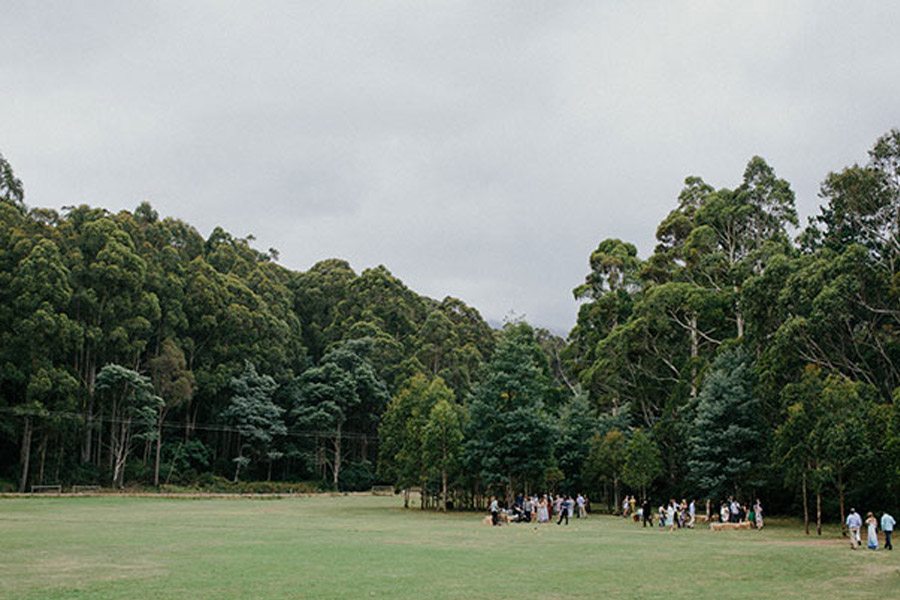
pixel 132 398
pixel 257 419
pixel 175 385
pixel 343 387
pixel 509 438
pixel 727 441
pixel 643 463
pixel 442 439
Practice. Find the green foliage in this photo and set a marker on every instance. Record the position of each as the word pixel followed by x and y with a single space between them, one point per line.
pixel 509 437
pixel 726 441
pixel 606 459
pixel 256 418
pixel 643 463
pixel 729 331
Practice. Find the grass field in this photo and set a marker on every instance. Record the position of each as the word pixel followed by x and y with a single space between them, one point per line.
pixel 369 547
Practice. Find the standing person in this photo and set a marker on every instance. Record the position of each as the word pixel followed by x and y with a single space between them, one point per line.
pixel 670 515
pixel 661 516
pixel 569 505
pixel 872 526
pixel 625 505
pixel 580 502
pixel 724 513
pixel 692 514
pixel 645 509
pixel 527 509
pixel 495 511
pixel 854 522
pixel 564 511
pixel 735 510
pixel 544 510
pixel 632 506
pixel 757 508
pixel 558 505
pixel 887 526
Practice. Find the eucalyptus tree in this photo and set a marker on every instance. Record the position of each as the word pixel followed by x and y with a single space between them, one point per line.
pixel 174 383
pixel 442 439
pixel 42 336
pixel 342 388
pixel 643 463
pixel 11 189
pixel 136 406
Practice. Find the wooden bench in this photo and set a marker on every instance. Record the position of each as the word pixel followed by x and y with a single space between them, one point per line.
pixel 77 489
pixel 40 489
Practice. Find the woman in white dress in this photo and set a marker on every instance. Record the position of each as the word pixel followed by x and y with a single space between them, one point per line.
pixel 872 525
pixel 543 512
pixel 670 516
pixel 757 510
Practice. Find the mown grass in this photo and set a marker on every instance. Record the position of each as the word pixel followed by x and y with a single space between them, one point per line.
pixel 369 547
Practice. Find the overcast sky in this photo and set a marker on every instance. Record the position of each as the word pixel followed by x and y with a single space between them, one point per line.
pixel 477 149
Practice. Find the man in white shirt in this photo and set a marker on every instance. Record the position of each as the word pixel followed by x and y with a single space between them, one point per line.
pixel 887 526
pixel 580 502
pixel 854 522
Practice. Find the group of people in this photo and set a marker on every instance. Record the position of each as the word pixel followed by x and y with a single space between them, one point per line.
pixel 855 523
pixel 673 515
pixel 732 511
pixel 677 515
pixel 540 509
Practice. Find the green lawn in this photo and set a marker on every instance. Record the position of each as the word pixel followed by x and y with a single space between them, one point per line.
pixel 362 547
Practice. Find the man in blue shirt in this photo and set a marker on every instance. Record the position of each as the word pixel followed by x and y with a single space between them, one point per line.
pixel 854 522
pixel 887 526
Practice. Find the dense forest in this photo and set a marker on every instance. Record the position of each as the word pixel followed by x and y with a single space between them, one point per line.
pixel 747 355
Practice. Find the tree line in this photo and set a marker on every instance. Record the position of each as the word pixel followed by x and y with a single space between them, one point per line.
pixel 747 355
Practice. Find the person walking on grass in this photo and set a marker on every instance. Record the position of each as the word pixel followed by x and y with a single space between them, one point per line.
pixel 647 517
pixel 758 511
pixel 854 522
pixel 887 526
pixel 495 511
pixel 872 527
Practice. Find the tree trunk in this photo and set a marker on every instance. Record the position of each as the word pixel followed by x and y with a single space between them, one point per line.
pixel 818 512
pixel 237 463
pixel 840 488
pixel 158 452
pixel 444 490
pixel 738 313
pixel 43 454
pixel 695 353
pixel 615 494
pixel 88 416
pixel 337 455
pixel 25 454
pixel 805 506
pixel 120 452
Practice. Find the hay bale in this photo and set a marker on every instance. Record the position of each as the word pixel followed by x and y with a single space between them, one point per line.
pixel 729 526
